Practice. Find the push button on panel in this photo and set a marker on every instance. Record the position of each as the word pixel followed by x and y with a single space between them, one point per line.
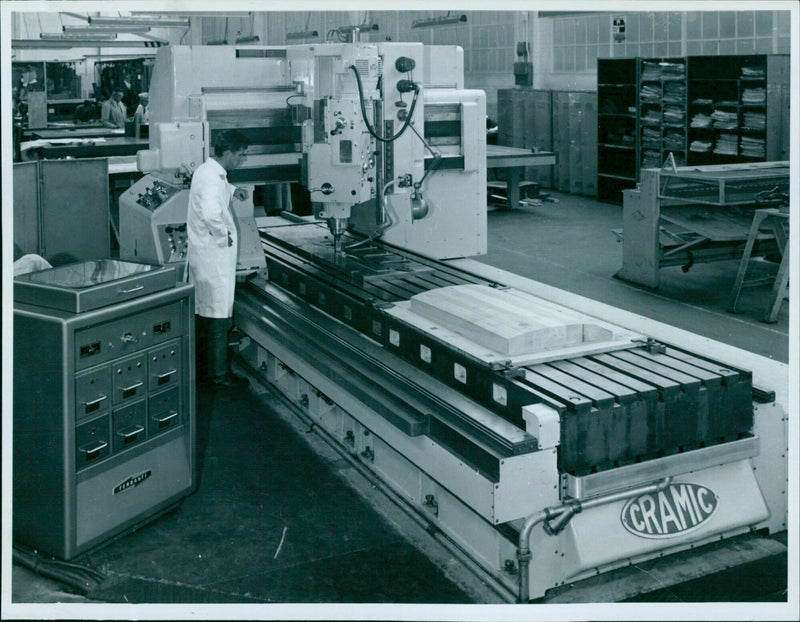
pixel 129 378
pixel 164 365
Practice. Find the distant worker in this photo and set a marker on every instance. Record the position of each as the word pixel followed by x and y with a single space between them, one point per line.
pixel 129 96
pixel 86 112
pixel 113 112
pixel 213 244
pixel 30 81
pixel 142 114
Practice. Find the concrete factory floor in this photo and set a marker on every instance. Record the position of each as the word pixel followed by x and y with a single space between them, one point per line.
pixel 280 518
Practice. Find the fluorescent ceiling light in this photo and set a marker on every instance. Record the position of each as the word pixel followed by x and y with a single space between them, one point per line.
pixel 139 21
pixel 60 36
pixel 82 30
pixel 361 27
pixel 74 42
pixel 84 18
pixel 303 34
pixel 157 14
pixel 444 20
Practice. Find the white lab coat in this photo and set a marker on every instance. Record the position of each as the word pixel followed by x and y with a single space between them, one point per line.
pixel 113 112
pixel 212 263
pixel 142 113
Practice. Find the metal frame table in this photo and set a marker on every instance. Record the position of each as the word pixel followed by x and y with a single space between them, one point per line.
pixel 515 160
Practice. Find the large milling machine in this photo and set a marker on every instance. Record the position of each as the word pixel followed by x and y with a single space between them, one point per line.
pixel 547 444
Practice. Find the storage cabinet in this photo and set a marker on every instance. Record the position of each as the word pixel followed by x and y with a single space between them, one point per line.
pixel 617 126
pixel 701 109
pixel 662 111
pixel 104 409
pixel 563 122
pixel 525 121
pixel 737 106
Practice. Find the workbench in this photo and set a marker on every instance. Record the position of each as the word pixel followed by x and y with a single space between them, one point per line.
pixel 87 130
pixel 515 160
pixel 84 147
pixel 687 215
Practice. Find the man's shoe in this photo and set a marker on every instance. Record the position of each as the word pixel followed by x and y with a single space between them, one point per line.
pixel 232 381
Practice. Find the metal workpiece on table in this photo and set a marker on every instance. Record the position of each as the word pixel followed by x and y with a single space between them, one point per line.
pixel 357 261
pixel 367 271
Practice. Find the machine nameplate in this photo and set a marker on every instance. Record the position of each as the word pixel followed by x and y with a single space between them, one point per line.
pixel 672 512
pixel 132 481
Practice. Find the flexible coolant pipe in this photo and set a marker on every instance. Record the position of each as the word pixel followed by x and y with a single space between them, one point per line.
pixel 384 223
pixel 566 512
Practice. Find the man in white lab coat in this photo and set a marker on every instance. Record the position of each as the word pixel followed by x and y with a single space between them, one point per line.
pixel 112 113
pixel 212 238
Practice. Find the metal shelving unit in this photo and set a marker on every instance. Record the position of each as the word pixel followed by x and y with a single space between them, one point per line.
pixel 709 83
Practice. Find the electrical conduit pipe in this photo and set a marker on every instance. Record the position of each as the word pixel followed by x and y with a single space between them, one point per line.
pixel 565 512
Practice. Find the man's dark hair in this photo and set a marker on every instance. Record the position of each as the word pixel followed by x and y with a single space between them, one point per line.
pixel 229 140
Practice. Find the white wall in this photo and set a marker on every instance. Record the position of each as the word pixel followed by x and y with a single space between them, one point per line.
pixel 566 46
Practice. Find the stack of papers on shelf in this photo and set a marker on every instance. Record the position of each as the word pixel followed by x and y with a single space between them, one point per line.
pixel 754 72
pixel 724 120
pixel 755 120
pixel 651 137
pixel 650 93
pixel 754 96
pixel 727 144
pixel 753 147
pixel 650 71
pixel 674 92
pixel 701 120
pixel 729 103
pixel 703 146
pixel 674 115
pixel 652 117
pixel 672 71
pixel 673 140
pixel 651 158
pixel 619 136
pixel 702 101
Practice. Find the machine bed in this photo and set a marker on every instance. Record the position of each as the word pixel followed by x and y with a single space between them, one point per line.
pixel 620 401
